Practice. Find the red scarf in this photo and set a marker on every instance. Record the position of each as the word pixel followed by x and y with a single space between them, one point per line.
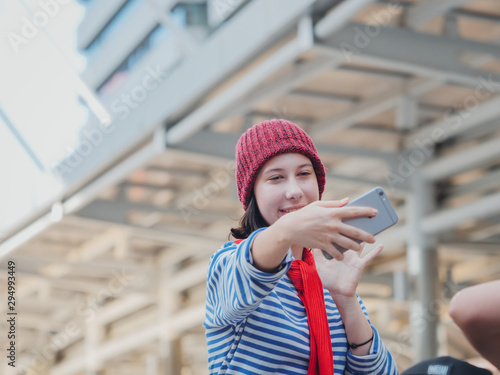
pixel 306 280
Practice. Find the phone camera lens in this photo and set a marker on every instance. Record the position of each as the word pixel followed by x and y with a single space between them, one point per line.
pixel 380 193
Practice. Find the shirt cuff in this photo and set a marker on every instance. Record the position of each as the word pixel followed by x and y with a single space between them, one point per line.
pixel 245 258
pixel 357 361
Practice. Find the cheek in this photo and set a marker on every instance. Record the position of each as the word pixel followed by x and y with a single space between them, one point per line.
pixel 270 194
pixel 268 197
pixel 264 195
pixel 312 189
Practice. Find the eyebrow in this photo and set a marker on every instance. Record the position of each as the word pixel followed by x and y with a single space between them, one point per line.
pixel 281 169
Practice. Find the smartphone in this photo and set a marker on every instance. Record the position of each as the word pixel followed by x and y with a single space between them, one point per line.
pixel 385 218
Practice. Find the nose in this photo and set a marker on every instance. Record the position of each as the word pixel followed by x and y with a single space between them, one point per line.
pixel 293 190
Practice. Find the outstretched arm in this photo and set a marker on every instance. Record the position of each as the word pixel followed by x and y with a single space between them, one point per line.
pixel 476 310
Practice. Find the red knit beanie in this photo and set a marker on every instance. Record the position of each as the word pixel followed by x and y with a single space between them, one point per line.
pixel 266 140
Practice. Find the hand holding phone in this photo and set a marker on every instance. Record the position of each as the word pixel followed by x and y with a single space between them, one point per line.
pixel 385 218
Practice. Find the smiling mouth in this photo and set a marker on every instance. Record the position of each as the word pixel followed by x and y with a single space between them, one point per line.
pixel 290 210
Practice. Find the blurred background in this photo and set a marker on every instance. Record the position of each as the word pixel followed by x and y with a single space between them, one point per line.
pixel 118 122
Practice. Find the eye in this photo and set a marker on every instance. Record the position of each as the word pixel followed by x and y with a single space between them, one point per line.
pixel 274 178
pixel 304 173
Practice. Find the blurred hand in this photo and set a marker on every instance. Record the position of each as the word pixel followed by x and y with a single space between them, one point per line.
pixel 341 278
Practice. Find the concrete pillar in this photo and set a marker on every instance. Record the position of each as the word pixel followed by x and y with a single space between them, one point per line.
pixel 168 304
pixel 92 340
pixel 422 272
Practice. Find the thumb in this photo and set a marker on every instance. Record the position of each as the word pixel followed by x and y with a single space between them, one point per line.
pixel 330 204
pixel 318 255
pixel 372 254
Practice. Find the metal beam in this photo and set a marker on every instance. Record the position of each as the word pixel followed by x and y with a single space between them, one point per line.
pixel 407 51
pixel 80 198
pixel 339 17
pixel 474 157
pixel 445 220
pixel 96 246
pixel 479 16
pixel 476 269
pixel 193 79
pixel 123 307
pixel 482 132
pixel 20 139
pixel 319 95
pixel 25 234
pixel 380 72
pixel 190 276
pixel 373 106
pixel 117 211
pixel 303 73
pixel 32 321
pixel 448 219
pixel 33 262
pixel 407 114
pixel 426 10
pixel 237 93
pixel 358 152
pixel 95 19
pixel 360 181
pixel 223 144
pixel 164 17
pixel 453 124
pixel 117 173
pixel 490 181
pixel 210 143
pixel 188 241
pixel 486 233
pixel 466 247
pixel 335 20
pixel 80 285
pixel 182 321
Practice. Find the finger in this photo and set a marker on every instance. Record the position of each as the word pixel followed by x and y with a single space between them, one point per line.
pixel 346 242
pixel 333 204
pixel 353 232
pixel 372 254
pixel 354 211
pixel 318 256
pixel 332 250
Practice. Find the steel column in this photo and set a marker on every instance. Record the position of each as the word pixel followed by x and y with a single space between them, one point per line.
pixel 422 272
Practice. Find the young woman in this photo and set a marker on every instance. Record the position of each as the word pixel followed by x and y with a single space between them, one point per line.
pixel 275 305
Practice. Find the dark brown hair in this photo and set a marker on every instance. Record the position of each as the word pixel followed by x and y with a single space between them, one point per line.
pixel 250 221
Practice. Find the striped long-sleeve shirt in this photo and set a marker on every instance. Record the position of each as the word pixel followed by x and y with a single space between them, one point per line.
pixel 256 323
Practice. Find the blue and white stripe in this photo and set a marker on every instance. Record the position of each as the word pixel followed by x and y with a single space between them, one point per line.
pixel 256 323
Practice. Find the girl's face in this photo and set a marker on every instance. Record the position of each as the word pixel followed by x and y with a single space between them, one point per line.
pixel 285 183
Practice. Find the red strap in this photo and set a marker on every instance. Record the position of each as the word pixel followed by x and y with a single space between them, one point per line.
pixel 306 280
